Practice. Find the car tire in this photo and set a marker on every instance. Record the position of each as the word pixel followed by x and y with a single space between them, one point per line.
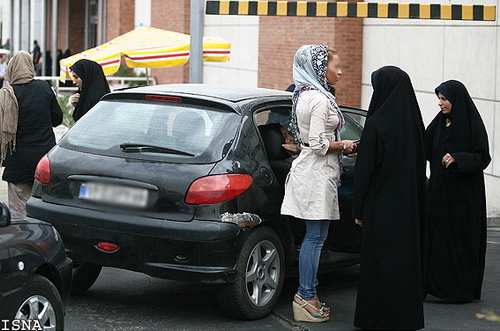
pixel 260 271
pixel 84 276
pixel 40 301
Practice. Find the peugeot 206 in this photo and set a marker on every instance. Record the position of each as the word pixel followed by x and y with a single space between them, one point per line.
pixel 183 182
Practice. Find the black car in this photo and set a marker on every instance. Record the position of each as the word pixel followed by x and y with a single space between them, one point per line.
pixel 180 182
pixel 35 274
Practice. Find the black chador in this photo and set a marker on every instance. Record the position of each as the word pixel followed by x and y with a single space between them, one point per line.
pixel 456 233
pixel 389 182
pixel 94 86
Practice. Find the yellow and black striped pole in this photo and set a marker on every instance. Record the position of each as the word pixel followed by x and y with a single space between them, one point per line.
pixel 353 9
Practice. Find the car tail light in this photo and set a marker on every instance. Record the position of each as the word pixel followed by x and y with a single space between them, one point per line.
pixel 162 98
pixel 218 188
pixel 107 246
pixel 42 172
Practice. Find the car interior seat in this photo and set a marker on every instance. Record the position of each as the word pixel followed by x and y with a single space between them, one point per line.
pixel 189 132
pixel 279 159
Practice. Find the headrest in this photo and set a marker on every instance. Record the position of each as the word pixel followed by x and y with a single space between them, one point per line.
pixel 188 122
pixel 273 141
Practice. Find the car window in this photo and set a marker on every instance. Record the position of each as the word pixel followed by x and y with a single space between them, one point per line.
pixel 351 131
pixel 353 125
pixel 173 127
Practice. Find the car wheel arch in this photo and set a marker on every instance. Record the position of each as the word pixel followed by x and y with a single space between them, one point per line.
pixel 50 272
pixel 234 298
pixel 40 290
pixel 284 231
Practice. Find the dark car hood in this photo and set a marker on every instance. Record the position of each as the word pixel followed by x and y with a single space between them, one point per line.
pixel 17 219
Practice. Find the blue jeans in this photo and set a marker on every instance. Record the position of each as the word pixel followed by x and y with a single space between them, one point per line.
pixel 310 251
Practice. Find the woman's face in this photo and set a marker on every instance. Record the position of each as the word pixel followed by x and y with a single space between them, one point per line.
pixel 77 81
pixel 333 71
pixel 444 104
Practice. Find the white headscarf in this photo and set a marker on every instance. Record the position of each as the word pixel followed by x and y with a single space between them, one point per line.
pixel 309 73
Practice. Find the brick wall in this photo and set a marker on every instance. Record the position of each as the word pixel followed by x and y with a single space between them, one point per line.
pixel 120 18
pixel 76 22
pixel 280 37
pixel 171 15
pixel 77 27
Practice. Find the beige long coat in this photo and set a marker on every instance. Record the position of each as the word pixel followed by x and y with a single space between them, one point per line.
pixel 311 186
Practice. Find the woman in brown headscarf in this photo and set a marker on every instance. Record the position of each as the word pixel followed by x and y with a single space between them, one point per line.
pixel 28 111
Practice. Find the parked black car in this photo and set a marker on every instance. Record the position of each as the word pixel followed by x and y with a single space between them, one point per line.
pixel 176 181
pixel 35 274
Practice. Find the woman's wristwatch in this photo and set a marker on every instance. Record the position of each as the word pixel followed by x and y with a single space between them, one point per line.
pixel 344 146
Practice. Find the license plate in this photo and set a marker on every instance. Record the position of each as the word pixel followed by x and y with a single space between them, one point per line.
pixel 114 194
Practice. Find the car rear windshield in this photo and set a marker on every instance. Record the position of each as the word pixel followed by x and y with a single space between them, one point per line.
pixel 153 130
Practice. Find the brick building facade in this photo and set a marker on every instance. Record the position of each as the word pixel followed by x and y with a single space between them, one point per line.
pixel 279 38
pixel 119 20
pixel 173 16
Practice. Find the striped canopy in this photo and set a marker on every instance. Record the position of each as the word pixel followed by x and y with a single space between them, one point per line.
pixel 146 47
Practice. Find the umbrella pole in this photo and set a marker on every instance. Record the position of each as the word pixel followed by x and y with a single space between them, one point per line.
pixel 147 76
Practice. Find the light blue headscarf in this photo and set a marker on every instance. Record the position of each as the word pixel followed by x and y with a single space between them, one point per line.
pixel 309 73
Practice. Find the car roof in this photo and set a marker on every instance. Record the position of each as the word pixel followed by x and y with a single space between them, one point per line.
pixel 229 93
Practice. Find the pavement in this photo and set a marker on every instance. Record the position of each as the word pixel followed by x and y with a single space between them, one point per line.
pixel 339 289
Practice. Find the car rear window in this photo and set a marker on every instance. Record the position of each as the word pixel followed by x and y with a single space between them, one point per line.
pixel 178 130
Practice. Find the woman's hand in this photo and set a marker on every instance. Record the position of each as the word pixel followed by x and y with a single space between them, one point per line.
pixel 358 222
pixel 350 146
pixel 447 160
pixel 74 99
pixel 292 149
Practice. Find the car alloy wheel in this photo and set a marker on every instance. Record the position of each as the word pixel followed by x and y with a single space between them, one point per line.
pixel 263 273
pixel 260 271
pixel 40 304
pixel 38 308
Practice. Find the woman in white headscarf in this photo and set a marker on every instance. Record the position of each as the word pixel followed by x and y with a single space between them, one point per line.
pixel 311 185
pixel 28 111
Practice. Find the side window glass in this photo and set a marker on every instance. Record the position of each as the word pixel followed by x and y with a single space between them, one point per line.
pixel 353 126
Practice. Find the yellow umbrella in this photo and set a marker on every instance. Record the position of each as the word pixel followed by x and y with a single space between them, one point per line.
pixel 146 47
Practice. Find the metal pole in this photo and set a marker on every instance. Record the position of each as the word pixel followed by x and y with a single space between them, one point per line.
pixel 100 22
pixel 196 30
pixel 43 36
pixel 86 36
pixel 29 19
pixel 20 35
pixel 55 5
pixel 11 41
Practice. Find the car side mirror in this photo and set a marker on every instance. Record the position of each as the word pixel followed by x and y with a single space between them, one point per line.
pixel 5 216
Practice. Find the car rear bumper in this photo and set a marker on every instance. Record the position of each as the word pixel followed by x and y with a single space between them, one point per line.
pixel 199 250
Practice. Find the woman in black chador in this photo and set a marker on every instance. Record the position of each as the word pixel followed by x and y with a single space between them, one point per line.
pixel 389 186
pixel 457 148
pixel 92 85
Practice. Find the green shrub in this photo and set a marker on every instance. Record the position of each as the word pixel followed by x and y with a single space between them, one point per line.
pixel 67 110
